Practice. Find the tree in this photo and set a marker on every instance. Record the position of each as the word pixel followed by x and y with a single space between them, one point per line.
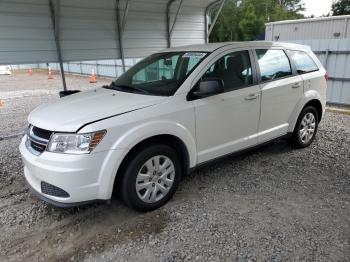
pixel 341 7
pixel 244 19
pixel 226 27
pixel 251 25
pixel 292 5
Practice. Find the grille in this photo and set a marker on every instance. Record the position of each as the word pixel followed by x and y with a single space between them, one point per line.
pixel 37 147
pixel 42 133
pixel 38 139
pixel 52 190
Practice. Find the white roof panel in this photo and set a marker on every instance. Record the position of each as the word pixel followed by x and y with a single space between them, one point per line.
pixel 256 44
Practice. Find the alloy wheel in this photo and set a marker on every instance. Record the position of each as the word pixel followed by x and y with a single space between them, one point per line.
pixel 155 179
pixel 307 128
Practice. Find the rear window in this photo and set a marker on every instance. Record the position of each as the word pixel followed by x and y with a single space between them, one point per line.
pixel 273 64
pixel 303 62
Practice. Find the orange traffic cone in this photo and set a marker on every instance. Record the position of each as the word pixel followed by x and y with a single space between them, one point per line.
pixel 50 74
pixel 30 71
pixel 93 77
pixel 1 104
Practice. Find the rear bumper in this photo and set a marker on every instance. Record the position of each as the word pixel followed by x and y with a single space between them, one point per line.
pixel 86 178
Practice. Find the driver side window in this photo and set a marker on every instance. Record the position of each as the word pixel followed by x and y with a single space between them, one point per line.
pixel 234 69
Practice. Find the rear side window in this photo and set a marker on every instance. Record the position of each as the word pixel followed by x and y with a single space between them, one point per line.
pixel 273 64
pixel 303 62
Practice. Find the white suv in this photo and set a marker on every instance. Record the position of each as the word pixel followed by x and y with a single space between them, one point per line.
pixel 173 111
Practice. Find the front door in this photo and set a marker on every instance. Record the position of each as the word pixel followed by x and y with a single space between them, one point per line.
pixel 228 122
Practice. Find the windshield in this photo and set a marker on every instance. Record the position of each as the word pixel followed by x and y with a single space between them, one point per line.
pixel 159 74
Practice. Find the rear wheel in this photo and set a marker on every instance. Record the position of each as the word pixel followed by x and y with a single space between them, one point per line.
pixel 306 128
pixel 151 178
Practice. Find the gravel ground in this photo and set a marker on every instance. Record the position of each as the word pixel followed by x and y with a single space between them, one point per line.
pixel 21 93
pixel 272 204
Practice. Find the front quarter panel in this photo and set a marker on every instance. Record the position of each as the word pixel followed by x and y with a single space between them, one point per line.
pixel 173 117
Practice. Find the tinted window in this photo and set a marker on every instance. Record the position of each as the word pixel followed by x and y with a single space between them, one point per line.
pixel 234 69
pixel 273 64
pixel 193 61
pixel 303 62
pixel 159 70
pixel 159 74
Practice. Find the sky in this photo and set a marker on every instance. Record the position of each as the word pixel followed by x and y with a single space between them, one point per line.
pixel 317 7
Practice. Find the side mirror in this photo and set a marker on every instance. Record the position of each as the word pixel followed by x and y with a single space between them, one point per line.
pixel 208 87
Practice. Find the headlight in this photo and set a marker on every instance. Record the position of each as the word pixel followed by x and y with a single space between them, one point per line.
pixel 74 143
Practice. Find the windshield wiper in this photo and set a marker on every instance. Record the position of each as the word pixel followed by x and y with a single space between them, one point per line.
pixel 131 88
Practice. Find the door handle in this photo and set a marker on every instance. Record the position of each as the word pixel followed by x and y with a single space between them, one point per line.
pixel 251 97
pixel 296 85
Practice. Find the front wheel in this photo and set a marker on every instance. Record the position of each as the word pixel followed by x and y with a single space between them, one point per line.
pixel 306 128
pixel 150 178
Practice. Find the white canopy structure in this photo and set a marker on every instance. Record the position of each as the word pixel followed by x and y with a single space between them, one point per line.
pixel 36 31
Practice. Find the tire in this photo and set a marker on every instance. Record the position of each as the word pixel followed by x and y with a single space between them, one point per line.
pixel 145 187
pixel 305 129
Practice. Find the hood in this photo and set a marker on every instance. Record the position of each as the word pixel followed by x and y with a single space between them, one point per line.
pixel 70 113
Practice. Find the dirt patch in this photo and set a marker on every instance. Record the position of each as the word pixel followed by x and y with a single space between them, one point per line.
pixel 21 93
pixel 82 232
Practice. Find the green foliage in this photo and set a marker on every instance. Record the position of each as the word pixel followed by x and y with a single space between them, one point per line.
pixel 341 7
pixel 226 27
pixel 251 25
pixel 245 20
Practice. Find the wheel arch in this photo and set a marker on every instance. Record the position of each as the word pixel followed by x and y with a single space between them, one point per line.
pixel 167 139
pixel 317 105
pixel 128 141
pixel 310 98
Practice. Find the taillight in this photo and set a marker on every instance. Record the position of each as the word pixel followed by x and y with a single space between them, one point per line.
pixel 326 76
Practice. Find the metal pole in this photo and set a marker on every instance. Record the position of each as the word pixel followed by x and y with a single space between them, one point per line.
pixel 216 17
pixel 168 21
pixel 206 13
pixel 120 34
pixel 175 19
pixel 206 26
pixel 55 25
pixel 126 11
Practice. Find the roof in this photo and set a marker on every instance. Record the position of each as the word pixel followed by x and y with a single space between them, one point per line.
pixel 308 20
pixel 213 46
pixel 34 31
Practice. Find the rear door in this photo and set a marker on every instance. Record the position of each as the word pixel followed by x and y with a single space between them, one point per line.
pixel 281 89
pixel 312 75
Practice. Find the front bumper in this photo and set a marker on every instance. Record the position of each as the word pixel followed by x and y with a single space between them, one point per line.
pixel 86 178
pixel 61 204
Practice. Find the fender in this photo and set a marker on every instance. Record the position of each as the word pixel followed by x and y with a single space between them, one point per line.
pixel 308 96
pixel 158 127
pixel 134 136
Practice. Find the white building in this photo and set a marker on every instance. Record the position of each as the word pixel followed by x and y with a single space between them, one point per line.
pixel 329 38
